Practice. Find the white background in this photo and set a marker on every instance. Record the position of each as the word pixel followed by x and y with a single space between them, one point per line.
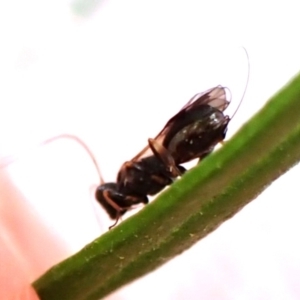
pixel 114 76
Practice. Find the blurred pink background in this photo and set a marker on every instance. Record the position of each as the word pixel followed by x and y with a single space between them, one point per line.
pixel 113 72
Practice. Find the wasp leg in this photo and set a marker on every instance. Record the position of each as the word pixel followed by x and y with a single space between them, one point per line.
pixel 113 225
pixel 118 210
pixel 129 200
pixel 165 156
pixel 116 203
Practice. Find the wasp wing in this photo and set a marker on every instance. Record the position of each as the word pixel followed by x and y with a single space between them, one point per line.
pixel 215 97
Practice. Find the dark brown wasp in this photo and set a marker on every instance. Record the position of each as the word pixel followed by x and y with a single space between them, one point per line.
pixel 191 134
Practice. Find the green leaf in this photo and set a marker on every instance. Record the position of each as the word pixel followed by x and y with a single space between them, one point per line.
pixel 263 149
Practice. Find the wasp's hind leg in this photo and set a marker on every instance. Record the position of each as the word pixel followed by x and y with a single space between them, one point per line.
pixel 165 156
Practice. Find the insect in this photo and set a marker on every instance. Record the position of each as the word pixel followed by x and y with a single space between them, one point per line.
pixel 191 134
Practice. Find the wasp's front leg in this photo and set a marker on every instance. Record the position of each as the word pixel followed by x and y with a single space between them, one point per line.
pixel 116 203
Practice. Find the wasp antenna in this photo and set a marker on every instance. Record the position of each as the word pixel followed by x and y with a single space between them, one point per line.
pixel 247 82
pixel 6 161
pixel 82 143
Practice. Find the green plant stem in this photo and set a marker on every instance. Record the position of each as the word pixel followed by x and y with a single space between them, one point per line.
pixel 263 149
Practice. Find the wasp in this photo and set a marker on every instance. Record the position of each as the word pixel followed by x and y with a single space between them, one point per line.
pixel 191 134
